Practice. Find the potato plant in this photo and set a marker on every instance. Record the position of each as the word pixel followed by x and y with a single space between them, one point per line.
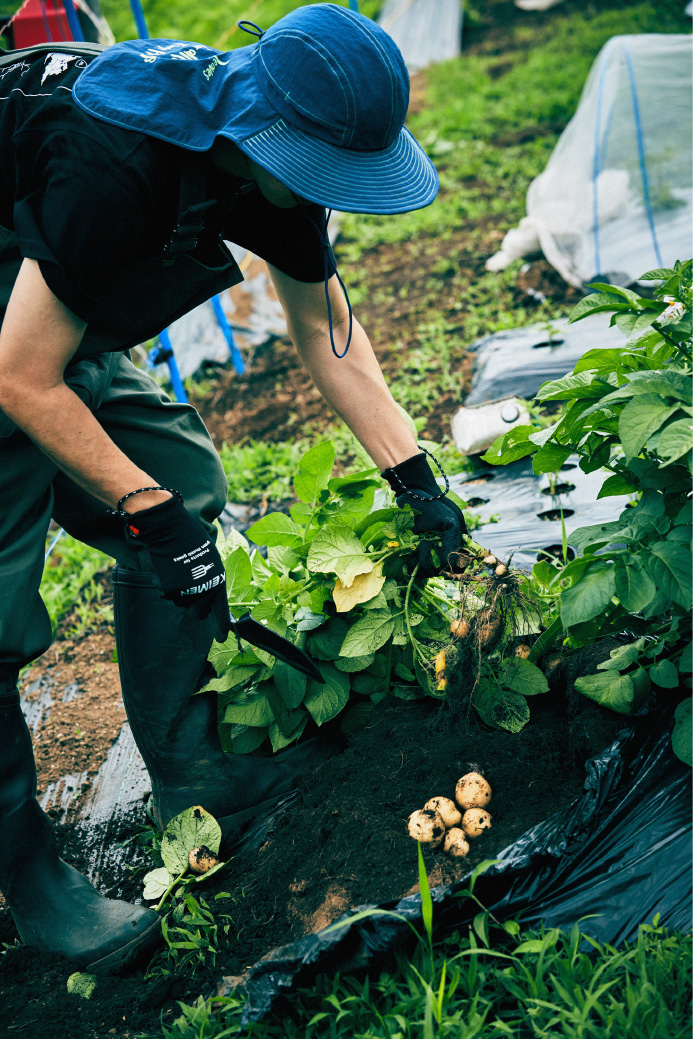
pixel 629 412
pixel 339 579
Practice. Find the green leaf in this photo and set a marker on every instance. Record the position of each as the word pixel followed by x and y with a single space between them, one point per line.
pixel 617 484
pixel 618 692
pixel 354 664
pixel 326 700
pixel 523 677
pixel 253 710
pixel 658 274
pixel 641 417
pixel 368 634
pixel 676 440
pixel 280 741
pixel 276 529
pixel 500 708
pixel 571 387
pixel 666 384
pixel 337 550
pixel 682 736
pixel 670 564
pixel 231 679
pixel 665 675
pixel 190 829
pixel 550 457
pixel 589 596
pixel 595 302
pixel 634 587
pixel 326 643
pixel 621 658
pixel 313 473
pixel 686 659
pixel 511 446
pixel 290 683
pixel 243 739
pixel 615 290
pixel 157 882
pixel 239 576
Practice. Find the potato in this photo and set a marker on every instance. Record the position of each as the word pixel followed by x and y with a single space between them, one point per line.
pixel 445 808
pixel 472 791
pixel 459 628
pixel 426 826
pixel 488 626
pixel 490 560
pixel 501 570
pixel 201 859
pixel 456 843
pixel 523 651
pixel 475 821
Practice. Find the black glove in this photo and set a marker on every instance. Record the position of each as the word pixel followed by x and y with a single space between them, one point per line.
pixel 414 484
pixel 185 561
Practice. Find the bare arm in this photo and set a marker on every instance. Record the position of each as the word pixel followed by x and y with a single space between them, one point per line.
pixel 353 385
pixel 39 336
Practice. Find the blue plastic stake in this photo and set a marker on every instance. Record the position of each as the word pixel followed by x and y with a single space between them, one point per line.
pixel 228 335
pixel 73 21
pixel 164 352
pixel 354 5
pixel 138 15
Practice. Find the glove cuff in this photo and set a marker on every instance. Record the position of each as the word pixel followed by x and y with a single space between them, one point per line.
pixel 413 474
pixel 149 521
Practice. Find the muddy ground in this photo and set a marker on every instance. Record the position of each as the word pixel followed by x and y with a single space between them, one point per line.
pixel 342 843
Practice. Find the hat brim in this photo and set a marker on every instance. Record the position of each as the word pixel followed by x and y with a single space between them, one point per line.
pixel 395 180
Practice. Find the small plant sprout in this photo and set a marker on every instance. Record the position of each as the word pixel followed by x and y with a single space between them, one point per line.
pixel 475 821
pixel 446 809
pixel 472 791
pixel 426 826
pixel 455 843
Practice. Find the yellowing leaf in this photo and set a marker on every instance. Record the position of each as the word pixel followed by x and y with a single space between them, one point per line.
pixel 363 588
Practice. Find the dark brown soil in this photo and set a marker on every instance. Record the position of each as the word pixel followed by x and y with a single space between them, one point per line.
pixel 343 843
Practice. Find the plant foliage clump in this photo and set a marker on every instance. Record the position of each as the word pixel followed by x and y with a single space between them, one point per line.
pixel 629 412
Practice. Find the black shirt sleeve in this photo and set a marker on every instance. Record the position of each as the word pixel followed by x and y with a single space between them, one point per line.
pixel 289 239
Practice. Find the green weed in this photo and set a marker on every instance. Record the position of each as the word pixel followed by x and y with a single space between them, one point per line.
pixel 68 588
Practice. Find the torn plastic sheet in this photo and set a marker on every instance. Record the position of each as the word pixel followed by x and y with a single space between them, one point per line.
pixel 529 508
pixel 516 362
pixel 620 851
pixel 426 31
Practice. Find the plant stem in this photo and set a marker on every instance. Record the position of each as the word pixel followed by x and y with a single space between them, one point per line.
pixel 413 641
pixel 389 669
pixel 170 888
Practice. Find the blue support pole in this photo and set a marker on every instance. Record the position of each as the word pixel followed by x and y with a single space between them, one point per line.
pixel 164 352
pixel 228 335
pixel 73 21
pixel 138 15
pixel 354 5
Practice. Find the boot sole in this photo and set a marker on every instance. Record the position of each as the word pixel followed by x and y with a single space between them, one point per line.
pixel 128 956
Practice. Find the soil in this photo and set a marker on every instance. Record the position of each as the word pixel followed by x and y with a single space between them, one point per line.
pixel 342 843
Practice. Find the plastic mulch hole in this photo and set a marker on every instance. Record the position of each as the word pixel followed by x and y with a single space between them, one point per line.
pixel 554 552
pixel 550 515
pixel 474 503
pixel 567 466
pixel 548 342
pixel 559 488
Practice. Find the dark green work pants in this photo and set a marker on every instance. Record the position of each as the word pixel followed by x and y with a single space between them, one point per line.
pixel 167 440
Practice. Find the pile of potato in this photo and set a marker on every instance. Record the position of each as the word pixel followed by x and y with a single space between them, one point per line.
pixel 438 822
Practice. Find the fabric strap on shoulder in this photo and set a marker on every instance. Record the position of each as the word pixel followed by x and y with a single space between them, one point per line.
pixel 82 50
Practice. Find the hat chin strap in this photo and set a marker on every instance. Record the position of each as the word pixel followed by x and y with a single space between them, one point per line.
pixel 325 242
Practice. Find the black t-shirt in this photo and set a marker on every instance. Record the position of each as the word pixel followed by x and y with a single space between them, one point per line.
pixel 84 197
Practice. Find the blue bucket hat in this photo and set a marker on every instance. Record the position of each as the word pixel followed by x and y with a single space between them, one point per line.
pixel 319 101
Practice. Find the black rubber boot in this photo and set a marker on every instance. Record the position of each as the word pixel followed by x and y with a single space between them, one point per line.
pixel 54 907
pixel 162 656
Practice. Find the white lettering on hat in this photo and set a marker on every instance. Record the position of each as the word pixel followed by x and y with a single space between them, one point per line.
pixel 164 50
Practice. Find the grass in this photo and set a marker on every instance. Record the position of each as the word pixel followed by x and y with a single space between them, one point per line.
pixel 69 590
pixel 484 983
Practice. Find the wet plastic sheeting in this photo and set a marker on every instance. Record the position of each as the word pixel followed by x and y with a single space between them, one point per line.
pixel 515 363
pixel 621 851
pixel 529 508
